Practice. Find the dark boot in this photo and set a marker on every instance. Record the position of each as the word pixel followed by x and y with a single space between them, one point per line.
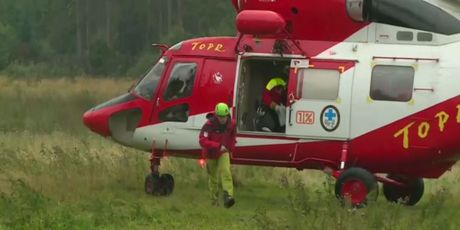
pixel 228 200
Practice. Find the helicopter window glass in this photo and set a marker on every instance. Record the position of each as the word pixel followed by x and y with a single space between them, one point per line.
pixel 392 83
pixel 322 84
pixel 148 84
pixel 424 37
pixel 405 36
pixel 181 82
pixel 177 113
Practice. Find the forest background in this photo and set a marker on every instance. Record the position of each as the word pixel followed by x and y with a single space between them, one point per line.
pixel 55 38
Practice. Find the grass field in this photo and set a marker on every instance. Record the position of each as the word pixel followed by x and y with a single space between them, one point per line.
pixel 55 174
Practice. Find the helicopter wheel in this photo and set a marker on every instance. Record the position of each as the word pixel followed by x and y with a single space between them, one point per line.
pixel 159 185
pixel 356 186
pixel 408 195
pixel 152 184
pixel 167 182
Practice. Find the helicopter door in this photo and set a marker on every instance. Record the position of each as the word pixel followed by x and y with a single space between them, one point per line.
pixel 174 105
pixel 319 99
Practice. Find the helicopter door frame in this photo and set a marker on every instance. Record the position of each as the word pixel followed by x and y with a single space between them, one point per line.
pixel 319 99
pixel 238 89
pixel 164 105
pixel 276 146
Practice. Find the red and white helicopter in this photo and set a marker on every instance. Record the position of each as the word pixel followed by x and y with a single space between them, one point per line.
pixel 373 94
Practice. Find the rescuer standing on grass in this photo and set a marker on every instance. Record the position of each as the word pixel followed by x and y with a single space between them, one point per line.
pixel 217 138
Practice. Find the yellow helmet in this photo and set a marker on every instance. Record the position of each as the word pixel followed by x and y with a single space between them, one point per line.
pixel 222 110
pixel 277 81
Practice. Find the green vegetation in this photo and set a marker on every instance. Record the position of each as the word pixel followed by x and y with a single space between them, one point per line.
pixel 55 174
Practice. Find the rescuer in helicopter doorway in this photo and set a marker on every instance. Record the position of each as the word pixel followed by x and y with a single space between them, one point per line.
pixel 274 98
pixel 217 139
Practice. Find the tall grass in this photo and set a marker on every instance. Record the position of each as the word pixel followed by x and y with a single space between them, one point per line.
pixel 49 105
pixel 55 174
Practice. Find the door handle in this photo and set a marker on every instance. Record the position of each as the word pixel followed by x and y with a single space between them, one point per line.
pixel 290 113
pixel 291 99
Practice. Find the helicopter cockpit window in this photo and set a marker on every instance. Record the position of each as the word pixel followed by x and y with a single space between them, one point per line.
pixel 318 84
pixel 392 83
pixel 147 86
pixel 181 82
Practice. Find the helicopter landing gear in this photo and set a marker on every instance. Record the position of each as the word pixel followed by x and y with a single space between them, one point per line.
pixel 403 190
pixel 159 185
pixel 156 184
pixel 356 186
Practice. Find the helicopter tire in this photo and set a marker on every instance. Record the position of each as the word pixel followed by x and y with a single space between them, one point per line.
pixel 409 195
pixel 355 187
pixel 152 184
pixel 167 184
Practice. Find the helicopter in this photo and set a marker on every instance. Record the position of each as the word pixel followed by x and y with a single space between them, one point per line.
pixel 371 88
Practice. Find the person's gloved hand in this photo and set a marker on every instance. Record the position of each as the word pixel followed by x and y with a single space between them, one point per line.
pixel 203 158
pixel 202 162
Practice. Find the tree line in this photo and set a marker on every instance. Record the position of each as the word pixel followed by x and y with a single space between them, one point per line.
pixel 101 37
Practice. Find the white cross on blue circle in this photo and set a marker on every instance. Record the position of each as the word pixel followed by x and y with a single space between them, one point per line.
pixel 330 114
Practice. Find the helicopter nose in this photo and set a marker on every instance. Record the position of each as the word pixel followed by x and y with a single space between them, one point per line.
pixel 87 119
pixel 97 119
pixel 97 122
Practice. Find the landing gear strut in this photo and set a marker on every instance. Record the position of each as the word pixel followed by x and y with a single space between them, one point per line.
pixel 156 184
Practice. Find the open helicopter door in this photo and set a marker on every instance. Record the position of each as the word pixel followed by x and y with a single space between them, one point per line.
pixel 319 99
pixel 254 143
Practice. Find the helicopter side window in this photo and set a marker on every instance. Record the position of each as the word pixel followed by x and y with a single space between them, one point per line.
pixel 405 36
pixel 392 83
pixel 318 84
pixel 424 37
pixel 181 82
